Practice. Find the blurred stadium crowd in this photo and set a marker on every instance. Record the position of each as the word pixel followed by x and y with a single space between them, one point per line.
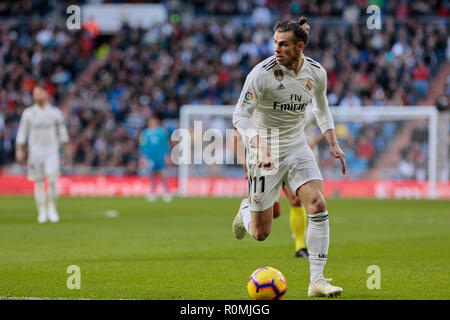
pixel 157 70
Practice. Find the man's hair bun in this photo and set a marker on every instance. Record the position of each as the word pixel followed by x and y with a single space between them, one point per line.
pixel 302 21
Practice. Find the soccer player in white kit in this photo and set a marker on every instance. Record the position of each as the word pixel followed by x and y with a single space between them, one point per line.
pixel 42 128
pixel 276 93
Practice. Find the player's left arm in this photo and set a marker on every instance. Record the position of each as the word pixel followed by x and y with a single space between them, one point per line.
pixel 167 148
pixel 335 149
pixel 63 135
pixel 325 120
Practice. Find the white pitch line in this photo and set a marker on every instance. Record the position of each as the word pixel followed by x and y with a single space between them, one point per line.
pixel 41 298
pixel 55 298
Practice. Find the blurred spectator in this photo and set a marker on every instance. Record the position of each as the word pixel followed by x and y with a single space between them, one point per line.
pixel 406 165
pixel 261 15
pixel 442 102
pixel 365 148
pixel 350 100
pixel 159 69
pixel 421 76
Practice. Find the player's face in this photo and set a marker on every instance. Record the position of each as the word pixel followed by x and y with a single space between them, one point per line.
pixel 152 122
pixel 39 95
pixel 286 50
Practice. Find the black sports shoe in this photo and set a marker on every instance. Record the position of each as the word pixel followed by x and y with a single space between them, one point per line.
pixel 302 253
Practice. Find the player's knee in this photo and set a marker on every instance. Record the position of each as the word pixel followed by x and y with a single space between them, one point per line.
pixel 39 184
pixel 321 206
pixel 318 204
pixel 261 235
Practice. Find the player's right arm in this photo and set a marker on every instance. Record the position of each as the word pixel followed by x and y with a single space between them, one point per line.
pixel 142 148
pixel 21 138
pixel 142 142
pixel 20 153
pixel 251 95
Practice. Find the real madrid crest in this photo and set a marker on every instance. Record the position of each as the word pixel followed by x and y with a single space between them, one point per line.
pixel 308 84
pixel 278 73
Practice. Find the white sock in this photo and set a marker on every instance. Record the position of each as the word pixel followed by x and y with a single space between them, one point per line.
pixel 39 195
pixel 52 193
pixel 247 218
pixel 317 241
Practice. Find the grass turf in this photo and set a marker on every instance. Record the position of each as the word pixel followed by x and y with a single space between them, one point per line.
pixel 127 248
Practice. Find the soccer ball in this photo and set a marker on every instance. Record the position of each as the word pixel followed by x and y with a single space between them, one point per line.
pixel 266 283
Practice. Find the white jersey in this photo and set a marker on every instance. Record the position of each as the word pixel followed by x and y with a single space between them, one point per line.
pixel 274 97
pixel 44 130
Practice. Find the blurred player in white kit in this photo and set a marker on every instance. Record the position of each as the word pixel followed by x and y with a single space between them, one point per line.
pixel 42 128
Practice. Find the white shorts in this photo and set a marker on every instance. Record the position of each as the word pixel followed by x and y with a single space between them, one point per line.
pixel 39 170
pixel 295 170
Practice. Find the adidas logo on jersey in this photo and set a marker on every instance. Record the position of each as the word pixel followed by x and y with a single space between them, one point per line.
pixel 281 87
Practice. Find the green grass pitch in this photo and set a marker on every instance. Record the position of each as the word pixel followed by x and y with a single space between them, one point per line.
pixel 127 248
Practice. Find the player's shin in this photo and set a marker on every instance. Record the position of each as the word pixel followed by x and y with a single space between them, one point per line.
pixel 247 218
pixel 39 197
pixel 317 240
pixel 153 191
pixel 52 193
pixel 52 197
